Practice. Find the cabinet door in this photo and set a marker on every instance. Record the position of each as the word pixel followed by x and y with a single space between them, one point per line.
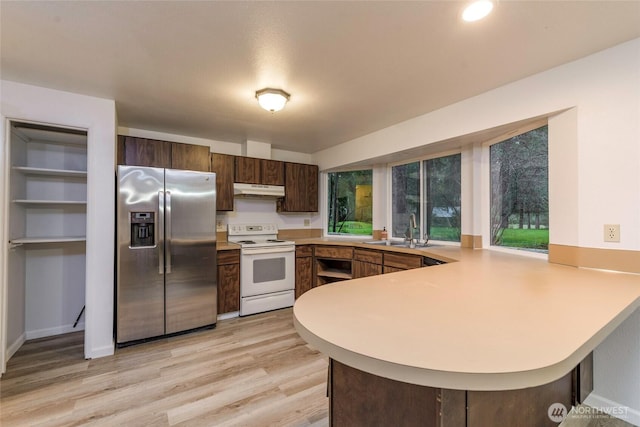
pixel 247 170
pixel 145 152
pixel 304 275
pixel 312 188
pixel 272 172
pixel 365 269
pixel 386 269
pixel 294 190
pixel 190 157
pixel 301 188
pixel 402 261
pixel 223 165
pixel 228 288
pixel 228 281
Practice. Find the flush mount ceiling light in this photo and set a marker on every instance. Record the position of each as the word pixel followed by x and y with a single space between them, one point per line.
pixel 272 99
pixel 477 10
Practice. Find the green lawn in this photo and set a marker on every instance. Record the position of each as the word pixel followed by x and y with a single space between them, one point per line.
pixel 450 234
pixel 353 227
pixel 532 239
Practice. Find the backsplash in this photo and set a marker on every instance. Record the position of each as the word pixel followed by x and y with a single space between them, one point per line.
pixel 248 210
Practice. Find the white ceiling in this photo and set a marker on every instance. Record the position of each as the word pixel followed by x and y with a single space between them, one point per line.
pixel 192 68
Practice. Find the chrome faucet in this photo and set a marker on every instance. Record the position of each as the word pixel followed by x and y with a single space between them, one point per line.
pixel 412 226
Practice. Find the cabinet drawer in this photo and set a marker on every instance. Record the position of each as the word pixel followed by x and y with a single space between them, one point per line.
pixel 405 261
pixel 303 251
pixel 229 257
pixel 340 252
pixel 374 257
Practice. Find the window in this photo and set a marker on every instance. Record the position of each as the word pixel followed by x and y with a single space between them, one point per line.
pixel 350 207
pixel 519 191
pixel 405 197
pixel 442 202
pixel 436 207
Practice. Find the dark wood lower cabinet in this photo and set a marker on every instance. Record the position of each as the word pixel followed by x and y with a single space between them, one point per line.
pixel 228 281
pixel 366 263
pixel 365 269
pixel 358 398
pixel 304 275
pixel 518 408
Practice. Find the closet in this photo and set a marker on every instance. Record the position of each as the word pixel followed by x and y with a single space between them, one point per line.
pixel 47 231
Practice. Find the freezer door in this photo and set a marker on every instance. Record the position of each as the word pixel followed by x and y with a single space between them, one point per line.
pixel 190 257
pixel 140 269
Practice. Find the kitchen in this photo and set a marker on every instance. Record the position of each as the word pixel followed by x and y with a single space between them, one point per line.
pixel 598 114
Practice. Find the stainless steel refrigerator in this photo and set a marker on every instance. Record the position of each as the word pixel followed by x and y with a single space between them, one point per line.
pixel 166 261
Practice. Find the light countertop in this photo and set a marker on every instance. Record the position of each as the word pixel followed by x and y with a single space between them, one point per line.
pixel 226 246
pixel 489 321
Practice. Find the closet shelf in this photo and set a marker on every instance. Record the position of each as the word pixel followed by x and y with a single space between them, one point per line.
pixel 61 239
pixel 28 170
pixel 50 202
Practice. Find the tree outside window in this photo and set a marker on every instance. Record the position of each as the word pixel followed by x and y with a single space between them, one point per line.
pixel 520 191
pixel 350 203
pixel 405 195
pixel 442 198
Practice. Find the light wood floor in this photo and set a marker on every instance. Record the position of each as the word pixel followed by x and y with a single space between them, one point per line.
pixel 252 371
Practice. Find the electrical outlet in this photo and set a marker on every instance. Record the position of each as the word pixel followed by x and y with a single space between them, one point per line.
pixel 307 222
pixel 612 232
pixel 220 225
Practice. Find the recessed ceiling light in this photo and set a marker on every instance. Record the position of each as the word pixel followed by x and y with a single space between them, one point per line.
pixel 477 10
pixel 272 99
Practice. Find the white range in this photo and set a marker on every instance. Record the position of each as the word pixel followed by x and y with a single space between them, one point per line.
pixel 267 267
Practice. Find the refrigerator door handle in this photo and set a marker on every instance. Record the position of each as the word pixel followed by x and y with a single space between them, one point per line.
pixel 160 232
pixel 168 229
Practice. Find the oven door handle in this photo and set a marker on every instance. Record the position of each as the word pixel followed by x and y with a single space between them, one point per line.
pixel 259 251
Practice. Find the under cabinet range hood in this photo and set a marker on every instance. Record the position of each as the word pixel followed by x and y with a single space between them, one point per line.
pixel 257 190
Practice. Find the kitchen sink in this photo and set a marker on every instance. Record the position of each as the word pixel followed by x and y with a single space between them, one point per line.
pixel 395 244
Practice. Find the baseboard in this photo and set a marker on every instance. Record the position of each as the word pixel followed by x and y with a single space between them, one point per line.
pixel 229 315
pixel 15 346
pixel 58 330
pixel 614 409
pixel 99 352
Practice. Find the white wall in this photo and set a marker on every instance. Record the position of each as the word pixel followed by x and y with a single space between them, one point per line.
pixel 98 116
pixel 594 146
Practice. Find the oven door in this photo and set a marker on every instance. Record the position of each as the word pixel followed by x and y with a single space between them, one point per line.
pixel 267 270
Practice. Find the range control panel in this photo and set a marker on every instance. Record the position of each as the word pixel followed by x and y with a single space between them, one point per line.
pixel 251 229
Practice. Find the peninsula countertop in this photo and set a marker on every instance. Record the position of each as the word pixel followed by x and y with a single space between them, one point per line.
pixel 487 321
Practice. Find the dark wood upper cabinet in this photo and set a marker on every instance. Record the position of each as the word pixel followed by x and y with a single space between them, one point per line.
pixel 224 166
pixel 301 188
pixel 250 170
pixel 144 152
pixel 311 175
pixel 247 170
pixel 190 157
pixel 133 151
pixel 272 172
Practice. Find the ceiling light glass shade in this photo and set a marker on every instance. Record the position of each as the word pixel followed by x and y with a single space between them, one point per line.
pixel 272 99
pixel 477 10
